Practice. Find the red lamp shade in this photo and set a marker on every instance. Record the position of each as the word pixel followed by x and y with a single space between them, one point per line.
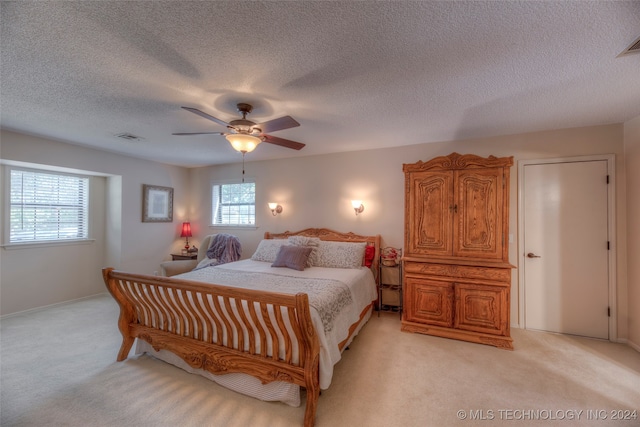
pixel 186 232
pixel 186 229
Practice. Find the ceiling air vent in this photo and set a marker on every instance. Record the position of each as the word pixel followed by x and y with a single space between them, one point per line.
pixel 129 137
pixel 633 48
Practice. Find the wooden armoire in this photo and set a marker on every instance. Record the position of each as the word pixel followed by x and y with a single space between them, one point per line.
pixel 457 276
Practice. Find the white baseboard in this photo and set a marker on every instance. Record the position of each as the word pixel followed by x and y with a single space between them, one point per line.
pixel 633 345
pixel 31 310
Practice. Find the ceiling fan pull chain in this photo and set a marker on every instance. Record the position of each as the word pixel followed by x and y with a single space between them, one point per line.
pixel 243 153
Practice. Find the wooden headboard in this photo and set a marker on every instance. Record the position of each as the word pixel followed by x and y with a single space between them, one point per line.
pixel 333 236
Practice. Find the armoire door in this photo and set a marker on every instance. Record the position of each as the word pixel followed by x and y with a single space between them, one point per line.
pixel 429 301
pixel 478 230
pixel 481 308
pixel 430 210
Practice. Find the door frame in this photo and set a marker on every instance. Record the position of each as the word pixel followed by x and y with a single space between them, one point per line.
pixel 611 232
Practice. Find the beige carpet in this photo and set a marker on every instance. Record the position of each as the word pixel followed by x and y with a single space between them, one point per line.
pixel 58 369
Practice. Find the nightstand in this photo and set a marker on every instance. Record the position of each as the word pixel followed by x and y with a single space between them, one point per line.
pixel 193 255
pixel 390 288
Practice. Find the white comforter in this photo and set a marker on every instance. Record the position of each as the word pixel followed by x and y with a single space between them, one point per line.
pixel 356 289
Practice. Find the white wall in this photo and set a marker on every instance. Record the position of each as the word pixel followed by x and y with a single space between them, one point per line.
pixel 632 160
pixel 316 191
pixel 35 277
pixel 38 276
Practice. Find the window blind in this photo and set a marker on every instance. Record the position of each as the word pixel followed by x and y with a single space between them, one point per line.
pixel 47 206
pixel 234 204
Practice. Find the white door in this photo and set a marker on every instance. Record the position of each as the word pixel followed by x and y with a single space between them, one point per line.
pixel 565 259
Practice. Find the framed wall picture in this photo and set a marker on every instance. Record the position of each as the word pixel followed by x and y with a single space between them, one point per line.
pixel 157 203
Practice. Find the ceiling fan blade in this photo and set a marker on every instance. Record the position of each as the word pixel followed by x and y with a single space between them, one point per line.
pixel 198 133
pixel 206 116
pixel 285 122
pixel 282 142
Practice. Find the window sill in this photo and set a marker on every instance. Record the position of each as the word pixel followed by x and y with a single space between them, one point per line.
pixel 31 245
pixel 234 227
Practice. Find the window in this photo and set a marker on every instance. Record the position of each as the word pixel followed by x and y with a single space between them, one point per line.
pixel 234 204
pixel 48 206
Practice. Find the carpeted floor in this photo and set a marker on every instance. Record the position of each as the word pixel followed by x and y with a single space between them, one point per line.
pixel 58 368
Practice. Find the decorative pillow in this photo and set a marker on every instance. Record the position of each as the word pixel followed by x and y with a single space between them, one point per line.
pixel 294 257
pixel 312 242
pixel 268 249
pixel 340 254
pixel 369 255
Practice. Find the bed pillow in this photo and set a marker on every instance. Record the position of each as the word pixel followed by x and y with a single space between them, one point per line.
pixel 312 242
pixel 340 254
pixel 369 255
pixel 268 249
pixel 294 257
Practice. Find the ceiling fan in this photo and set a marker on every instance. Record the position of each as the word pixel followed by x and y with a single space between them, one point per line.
pixel 245 135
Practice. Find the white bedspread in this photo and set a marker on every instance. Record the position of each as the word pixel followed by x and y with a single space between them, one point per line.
pixel 352 290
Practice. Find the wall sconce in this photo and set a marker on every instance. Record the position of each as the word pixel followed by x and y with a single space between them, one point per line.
pixel 357 206
pixel 186 232
pixel 275 208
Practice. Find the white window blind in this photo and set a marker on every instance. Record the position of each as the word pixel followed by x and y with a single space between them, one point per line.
pixel 48 206
pixel 234 204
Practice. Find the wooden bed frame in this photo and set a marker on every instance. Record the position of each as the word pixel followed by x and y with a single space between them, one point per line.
pixel 200 324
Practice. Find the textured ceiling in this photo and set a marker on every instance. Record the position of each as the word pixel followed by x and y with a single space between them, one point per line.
pixel 355 74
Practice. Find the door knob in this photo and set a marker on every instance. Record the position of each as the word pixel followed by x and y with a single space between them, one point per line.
pixel 532 255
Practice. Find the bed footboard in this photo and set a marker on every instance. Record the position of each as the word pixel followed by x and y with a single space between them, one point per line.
pixel 221 329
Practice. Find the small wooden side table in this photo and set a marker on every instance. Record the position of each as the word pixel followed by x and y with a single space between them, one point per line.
pixel 193 255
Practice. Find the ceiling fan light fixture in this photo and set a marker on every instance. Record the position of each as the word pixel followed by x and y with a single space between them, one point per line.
pixel 243 143
pixel 245 135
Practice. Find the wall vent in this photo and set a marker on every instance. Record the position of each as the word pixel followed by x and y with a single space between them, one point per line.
pixel 129 137
pixel 633 48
